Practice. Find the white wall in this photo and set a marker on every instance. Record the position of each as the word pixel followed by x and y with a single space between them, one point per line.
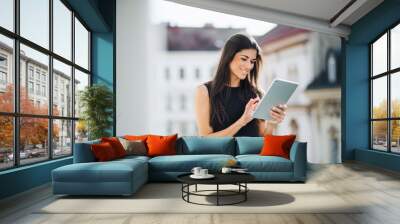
pixel 132 83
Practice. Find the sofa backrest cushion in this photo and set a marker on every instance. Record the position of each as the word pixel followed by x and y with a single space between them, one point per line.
pixel 83 152
pixel 192 145
pixel 249 145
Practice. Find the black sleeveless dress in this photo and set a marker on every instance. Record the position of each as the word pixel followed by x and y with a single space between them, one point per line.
pixel 234 107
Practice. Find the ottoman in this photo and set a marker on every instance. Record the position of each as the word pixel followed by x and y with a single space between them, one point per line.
pixel 119 177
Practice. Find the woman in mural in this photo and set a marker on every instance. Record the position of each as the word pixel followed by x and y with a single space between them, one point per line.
pixel 225 105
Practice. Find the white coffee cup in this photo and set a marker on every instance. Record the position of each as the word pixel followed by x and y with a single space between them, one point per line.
pixel 226 170
pixel 196 170
pixel 203 172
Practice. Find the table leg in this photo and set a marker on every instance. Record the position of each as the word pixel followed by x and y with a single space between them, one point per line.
pixel 196 188
pixel 245 193
pixel 217 194
pixel 188 190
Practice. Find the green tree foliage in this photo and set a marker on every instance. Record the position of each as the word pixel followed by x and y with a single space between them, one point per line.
pixel 96 102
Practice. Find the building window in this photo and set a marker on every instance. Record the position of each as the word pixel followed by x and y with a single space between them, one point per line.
pixel 182 73
pixel 35 54
pixel 385 97
pixel 167 74
pixel 38 89
pixel 30 87
pixel 30 72
pixel 37 76
pixel 43 90
pixel 183 101
pixel 197 73
pixel 331 69
pixel 43 77
pixel 3 78
pixel 3 61
pixel 3 72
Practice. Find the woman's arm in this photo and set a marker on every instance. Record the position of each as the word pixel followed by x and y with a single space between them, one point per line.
pixel 267 127
pixel 202 108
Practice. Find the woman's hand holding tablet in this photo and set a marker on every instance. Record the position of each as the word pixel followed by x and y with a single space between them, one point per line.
pixel 273 105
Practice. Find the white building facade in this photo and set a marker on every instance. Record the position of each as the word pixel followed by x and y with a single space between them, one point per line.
pixel 188 59
pixel 300 56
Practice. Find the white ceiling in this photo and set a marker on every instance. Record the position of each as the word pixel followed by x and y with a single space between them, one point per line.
pixel 319 9
pixel 316 15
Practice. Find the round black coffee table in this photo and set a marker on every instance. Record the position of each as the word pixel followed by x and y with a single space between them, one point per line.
pixel 238 179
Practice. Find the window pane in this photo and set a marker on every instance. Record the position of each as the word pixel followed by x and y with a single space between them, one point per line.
pixel 81 131
pixel 395 94
pixel 62 29
pixel 6 142
pixel 7 14
pixel 6 74
pixel 62 89
pixel 379 135
pixel 62 136
pixel 395 47
pixel 81 45
pixel 379 55
pixel 395 138
pixel 379 100
pixel 81 81
pixel 34 97
pixel 33 139
pixel 35 21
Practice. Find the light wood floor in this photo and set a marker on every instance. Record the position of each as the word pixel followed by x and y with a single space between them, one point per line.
pixel 378 188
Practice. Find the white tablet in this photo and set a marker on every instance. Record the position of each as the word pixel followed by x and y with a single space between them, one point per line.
pixel 278 93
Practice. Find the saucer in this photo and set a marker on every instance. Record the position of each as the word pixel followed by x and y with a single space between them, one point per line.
pixel 208 176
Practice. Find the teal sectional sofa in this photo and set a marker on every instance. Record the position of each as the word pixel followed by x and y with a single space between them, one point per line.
pixel 125 176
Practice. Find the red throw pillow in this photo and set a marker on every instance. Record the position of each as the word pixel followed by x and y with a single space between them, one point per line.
pixel 161 145
pixel 103 151
pixel 277 145
pixel 116 145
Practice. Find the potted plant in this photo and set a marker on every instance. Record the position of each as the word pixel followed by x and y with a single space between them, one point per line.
pixel 96 102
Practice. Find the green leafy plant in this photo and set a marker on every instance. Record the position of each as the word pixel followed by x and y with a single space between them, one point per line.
pixel 96 102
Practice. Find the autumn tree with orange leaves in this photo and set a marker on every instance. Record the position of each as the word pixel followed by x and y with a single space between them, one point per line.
pixel 34 130
pixel 380 111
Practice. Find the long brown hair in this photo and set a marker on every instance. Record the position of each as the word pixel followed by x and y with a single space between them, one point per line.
pixel 248 86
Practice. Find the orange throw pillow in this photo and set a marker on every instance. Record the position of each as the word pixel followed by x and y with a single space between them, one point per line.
pixel 103 152
pixel 116 145
pixel 277 145
pixel 161 145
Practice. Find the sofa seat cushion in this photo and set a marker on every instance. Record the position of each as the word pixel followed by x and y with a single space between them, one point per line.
pixel 133 158
pixel 112 171
pixel 257 163
pixel 185 163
